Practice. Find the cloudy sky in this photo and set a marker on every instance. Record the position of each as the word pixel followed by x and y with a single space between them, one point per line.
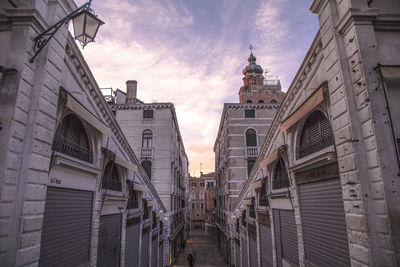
pixel 191 53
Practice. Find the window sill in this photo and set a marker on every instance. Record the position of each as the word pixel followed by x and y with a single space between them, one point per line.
pixel 61 159
pixel 322 157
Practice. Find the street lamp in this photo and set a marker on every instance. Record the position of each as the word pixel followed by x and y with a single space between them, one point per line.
pixel 85 22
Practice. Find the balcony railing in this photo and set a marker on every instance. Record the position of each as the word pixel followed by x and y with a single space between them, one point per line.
pixel 64 146
pixel 309 148
pixel 252 152
pixel 146 152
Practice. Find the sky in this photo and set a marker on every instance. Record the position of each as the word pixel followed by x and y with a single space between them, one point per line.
pixel 192 52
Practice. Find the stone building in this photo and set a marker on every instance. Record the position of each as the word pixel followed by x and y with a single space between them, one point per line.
pixel 72 191
pixel 152 130
pixel 197 207
pixel 209 196
pixel 325 189
pixel 242 130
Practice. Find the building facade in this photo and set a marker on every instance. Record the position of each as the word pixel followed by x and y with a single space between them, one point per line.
pixel 197 203
pixel 152 130
pixel 72 191
pixel 324 189
pixel 242 130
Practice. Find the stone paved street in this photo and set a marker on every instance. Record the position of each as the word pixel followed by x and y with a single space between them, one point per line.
pixel 205 249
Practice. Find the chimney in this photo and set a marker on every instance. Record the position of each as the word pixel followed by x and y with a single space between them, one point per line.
pixel 131 90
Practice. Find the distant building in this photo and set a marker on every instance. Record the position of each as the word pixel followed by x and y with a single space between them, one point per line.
pixel 209 196
pixel 197 204
pixel 153 132
pixel 242 131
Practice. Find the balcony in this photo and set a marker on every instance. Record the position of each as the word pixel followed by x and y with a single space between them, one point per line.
pixel 146 152
pixel 252 152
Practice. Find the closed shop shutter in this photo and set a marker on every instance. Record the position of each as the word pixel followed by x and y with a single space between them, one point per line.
pixel 145 247
pixel 66 228
pixel 154 251
pixel 266 246
pixel 286 237
pixel 109 248
pixel 253 252
pixel 243 243
pixel 160 254
pixel 132 242
pixel 324 226
pixel 237 248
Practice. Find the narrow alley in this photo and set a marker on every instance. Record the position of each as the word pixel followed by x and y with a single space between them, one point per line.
pixel 204 249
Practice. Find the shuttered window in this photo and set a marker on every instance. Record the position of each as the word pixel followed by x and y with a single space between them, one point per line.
pixel 249 113
pixel 148 114
pixel 147 167
pixel 251 137
pixel 71 139
pixel 109 248
pixel 111 178
pixel 316 134
pixel 132 242
pixel 281 178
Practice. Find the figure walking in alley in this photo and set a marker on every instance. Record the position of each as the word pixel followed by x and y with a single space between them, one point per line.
pixel 190 259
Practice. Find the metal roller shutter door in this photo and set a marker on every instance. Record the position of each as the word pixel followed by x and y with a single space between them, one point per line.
pixel 277 235
pixel 266 246
pixel 160 254
pixel 109 248
pixel 66 228
pixel 253 252
pixel 243 243
pixel 237 248
pixel 286 236
pixel 290 249
pixel 154 251
pixel 145 247
pixel 132 242
pixel 324 226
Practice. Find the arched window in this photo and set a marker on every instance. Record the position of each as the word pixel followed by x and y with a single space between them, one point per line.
pixel 249 101
pixel 111 178
pixel 273 101
pixel 147 138
pixel 316 134
pixel 71 139
pixel 251 137
pixel 147 167
pixel 281 178
pixel 261 101
pixel 133 202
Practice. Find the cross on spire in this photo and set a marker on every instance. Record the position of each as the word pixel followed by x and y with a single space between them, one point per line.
pixel 251 47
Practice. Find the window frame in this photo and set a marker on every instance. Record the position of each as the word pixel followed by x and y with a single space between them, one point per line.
pixel 148 114
pixel 250 113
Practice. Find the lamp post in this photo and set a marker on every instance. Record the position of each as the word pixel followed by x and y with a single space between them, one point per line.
pixel 85 22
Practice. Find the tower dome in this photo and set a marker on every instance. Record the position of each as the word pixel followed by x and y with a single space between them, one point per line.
pixel 252 67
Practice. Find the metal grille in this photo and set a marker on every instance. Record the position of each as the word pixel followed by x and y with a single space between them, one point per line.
pixel 111 178
pixel 281 178
pixel 132 242
pixel 160 254
pixel 109 248
pixel 66 230
pixel 237 250
pixel 145 247
pixel 253 252
pixel 71 139
pixel 324 226
pixel 245 257
pixel 133 200
pixel 316 134
pixel 277 237
pixel 265 246
pixel 154 252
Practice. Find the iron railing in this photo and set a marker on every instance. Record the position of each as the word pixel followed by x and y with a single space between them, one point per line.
pixel 309 148
pixel 111 184
pixel 61 144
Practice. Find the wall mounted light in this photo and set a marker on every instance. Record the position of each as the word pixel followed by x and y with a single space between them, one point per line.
pixel 85 23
